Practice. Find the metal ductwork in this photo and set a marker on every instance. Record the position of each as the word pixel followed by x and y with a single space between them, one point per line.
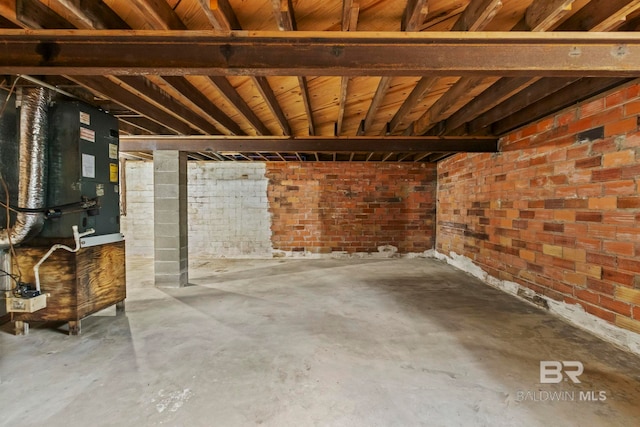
pixel 32 167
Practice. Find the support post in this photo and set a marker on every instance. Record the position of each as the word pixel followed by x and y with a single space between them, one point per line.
pixel 170 218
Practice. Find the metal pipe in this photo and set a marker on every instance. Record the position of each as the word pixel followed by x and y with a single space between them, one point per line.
pixel 32 167
pixel 47 85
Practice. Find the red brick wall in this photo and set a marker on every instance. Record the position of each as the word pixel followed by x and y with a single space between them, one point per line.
pixel 557 215
pixel 353 207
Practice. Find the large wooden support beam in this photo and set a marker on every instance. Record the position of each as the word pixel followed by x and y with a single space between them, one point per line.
pixel 311 144
pixel 77 52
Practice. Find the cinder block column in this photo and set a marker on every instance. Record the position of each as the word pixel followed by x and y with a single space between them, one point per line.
pixel 171 259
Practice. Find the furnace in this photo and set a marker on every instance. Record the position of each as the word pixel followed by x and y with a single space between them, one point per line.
pixel 62 196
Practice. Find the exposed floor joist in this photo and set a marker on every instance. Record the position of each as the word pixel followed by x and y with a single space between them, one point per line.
pixel 285 17
pixel 583 88
pixel 85 14
pixel 412 18
pixel 222 17
pixel 183 86
pixel 422 60
pixel 108 88
pixel 146 90
pixel 475 18
pixel 541 15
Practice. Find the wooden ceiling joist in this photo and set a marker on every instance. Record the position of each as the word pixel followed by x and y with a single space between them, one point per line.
pixel 419 91
pixel 233 97
pixel 342 102
pixel 147 91
pixel 584 89
pixel 34 14
pixel 350 12
pixel 183 86
pixel 349 23
pixel 600 15
pixel 89 14
pixel 378 97
pixel 466 87
pixel 163 17
pixel 9 13
pixel 97 15
pixel 222 17
pixel 159 14
pixel 107 88
pixel 465 81
pixel 7 23
pixel 166 18
pixel 220 14
pixel 496 94
pixel 591 16
pixel 533 93
pixel 285 17
pixel 312 144
pixel 146 124
pixel 262 84
pixel 126 128
pixel 414 15
pixel 475 17
pixel 541 15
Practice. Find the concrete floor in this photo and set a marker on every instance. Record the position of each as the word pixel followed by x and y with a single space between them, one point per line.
pixel 386 342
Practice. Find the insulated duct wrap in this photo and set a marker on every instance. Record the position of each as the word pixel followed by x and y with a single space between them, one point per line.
pixel 31 167
pixel 8 154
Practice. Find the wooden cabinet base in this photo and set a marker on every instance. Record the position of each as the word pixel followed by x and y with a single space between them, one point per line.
pixel 77 284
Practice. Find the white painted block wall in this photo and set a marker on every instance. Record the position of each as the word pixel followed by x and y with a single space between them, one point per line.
pixel 228 210
pixel 137 224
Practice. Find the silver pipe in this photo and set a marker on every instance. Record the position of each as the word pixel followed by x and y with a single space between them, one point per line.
pixel 32 167
pixel 47 85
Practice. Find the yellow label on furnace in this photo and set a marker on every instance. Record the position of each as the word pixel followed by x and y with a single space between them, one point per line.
pixel 113 172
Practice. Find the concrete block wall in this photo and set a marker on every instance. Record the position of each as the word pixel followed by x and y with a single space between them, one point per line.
pixel 227 210
pixel 558 210
pixel 137 224
pixel 352 207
